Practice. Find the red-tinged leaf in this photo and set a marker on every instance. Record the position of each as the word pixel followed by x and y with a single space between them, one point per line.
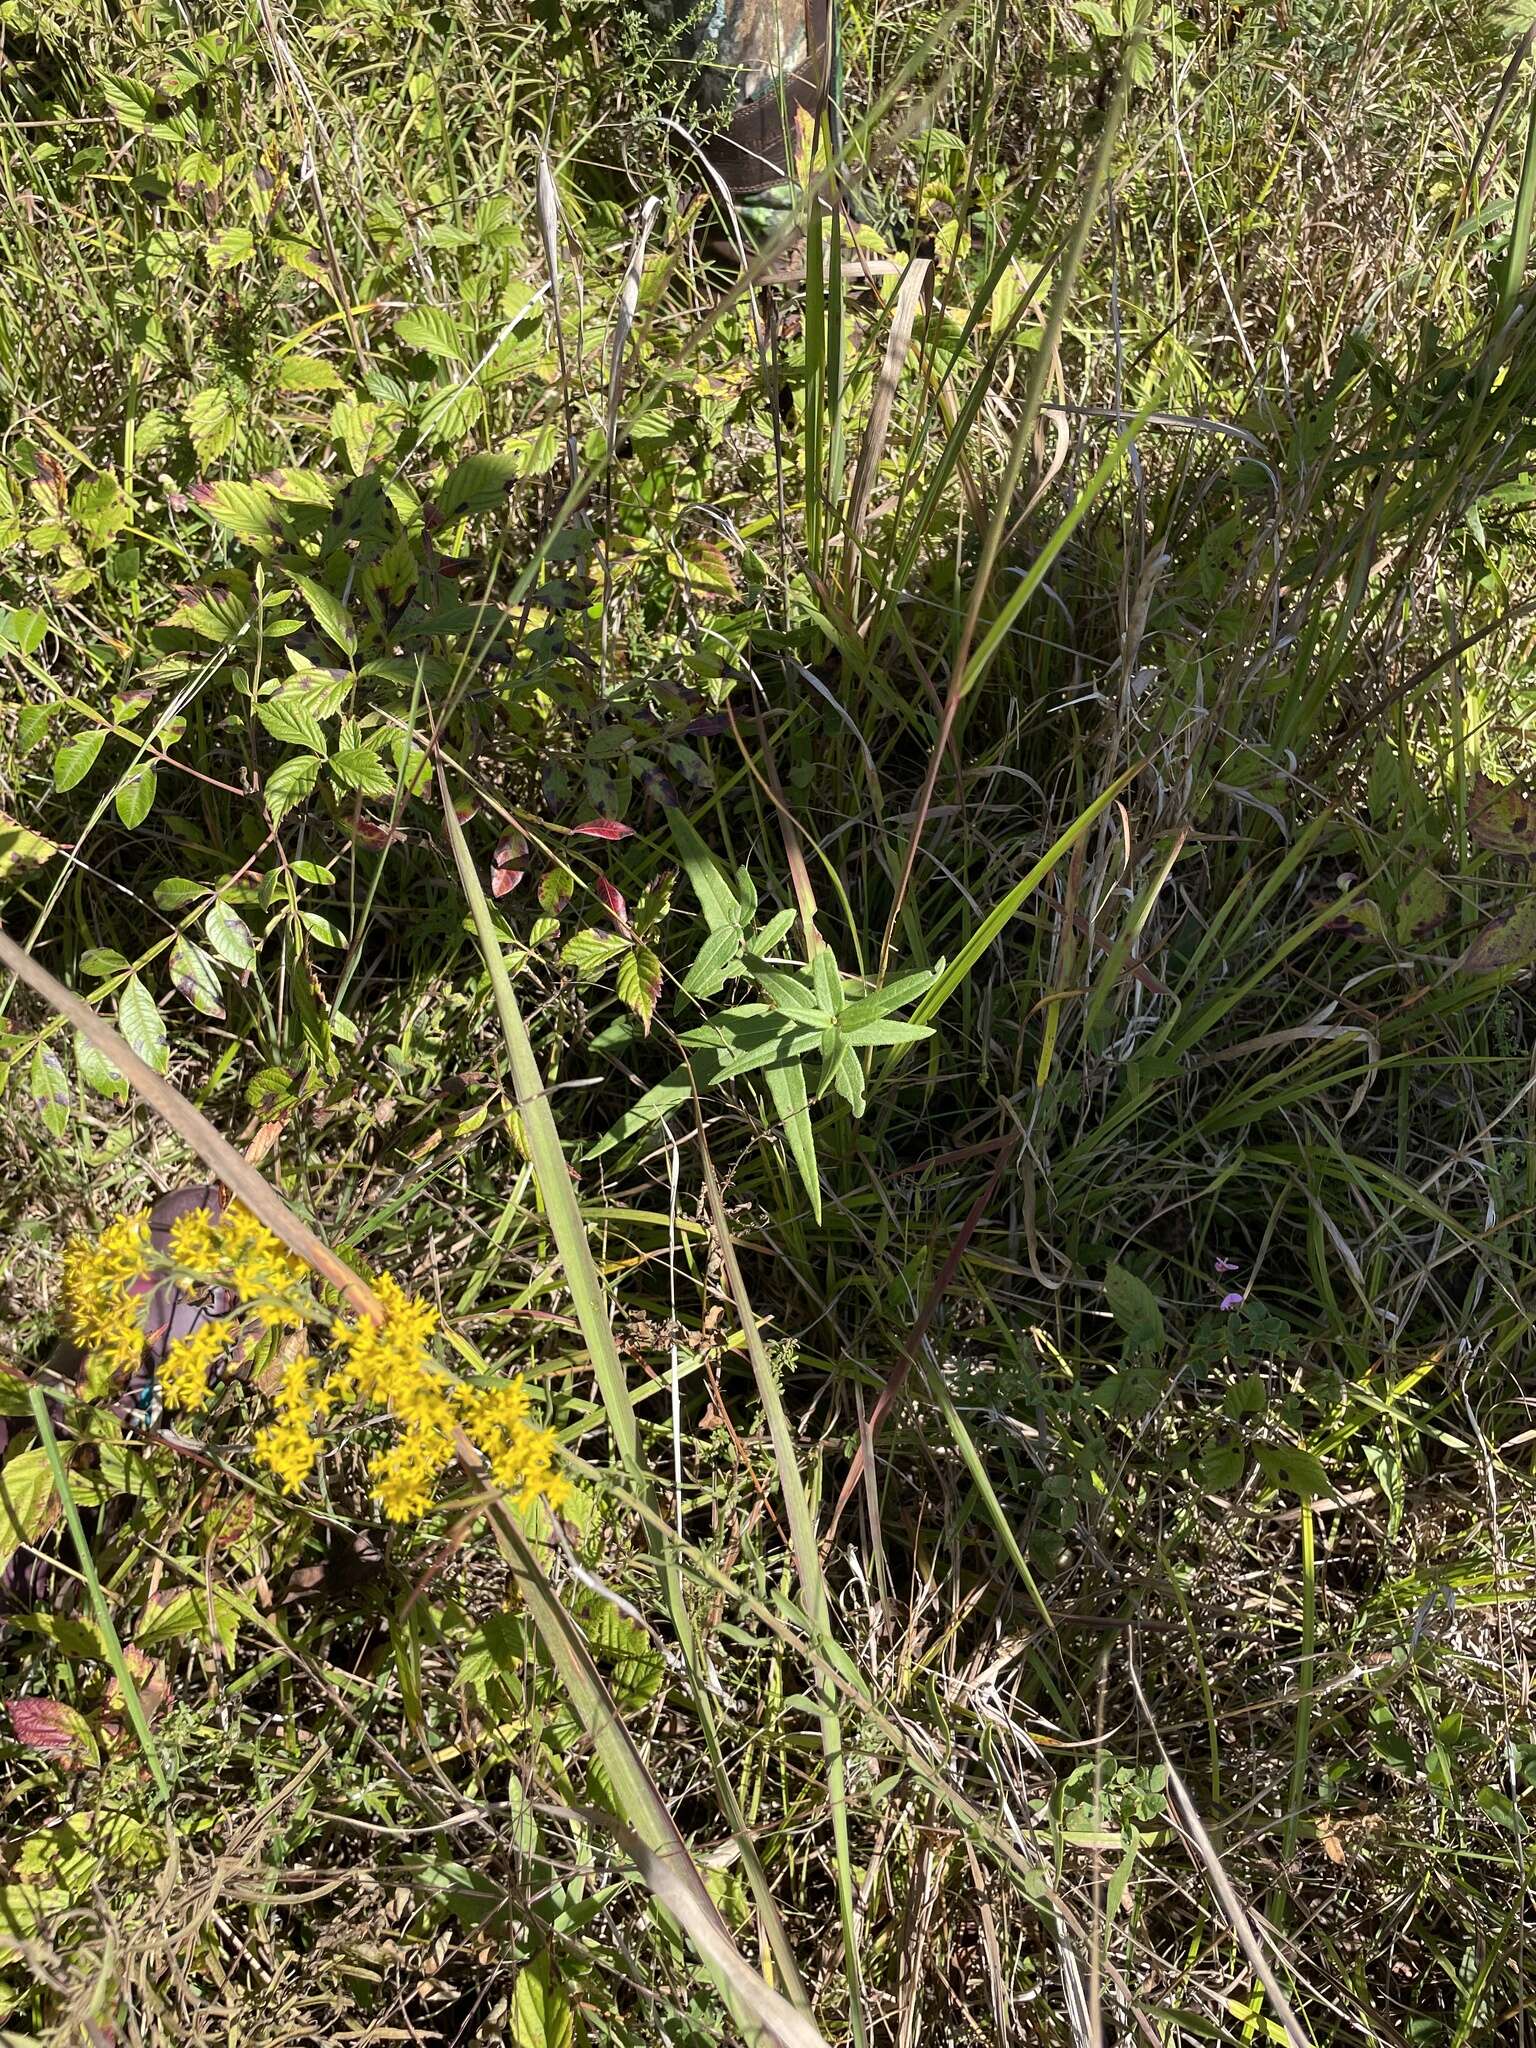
pixel 505 880
pixel 511 851
pixel 604 828
pixel 370 833
pixel 54 1729
pixel 613 902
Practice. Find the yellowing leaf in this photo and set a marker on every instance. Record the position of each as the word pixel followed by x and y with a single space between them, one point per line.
pixel 639 983
pixel 21 850
pixel 1422 908
pixel 29 1504
pixel 308 373
pixel 1509 941
pixel 1502 817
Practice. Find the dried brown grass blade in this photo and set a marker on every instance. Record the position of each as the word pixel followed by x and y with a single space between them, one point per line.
pixel 876 432
pixel 1234 1912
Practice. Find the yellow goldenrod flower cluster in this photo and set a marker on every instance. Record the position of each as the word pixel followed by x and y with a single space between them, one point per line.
pixel 384 1366
pixel 236 1251
pixel 183 1374
pixel 288 1447
pixel 99 1302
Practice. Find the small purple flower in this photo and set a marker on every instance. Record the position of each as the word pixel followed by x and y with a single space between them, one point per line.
pixel 1228 1265
pixel 1231 1301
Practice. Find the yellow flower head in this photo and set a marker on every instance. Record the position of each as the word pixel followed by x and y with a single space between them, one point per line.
pixel 520 1455
pixel 287 1447
pixel 183 1377
pixel 405 1476
pixel 269 1279
pixel 196 1248
pixel 102 1310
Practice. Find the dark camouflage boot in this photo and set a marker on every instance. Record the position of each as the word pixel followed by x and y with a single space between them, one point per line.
pixel 756 65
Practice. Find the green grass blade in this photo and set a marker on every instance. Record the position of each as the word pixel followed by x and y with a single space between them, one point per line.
pixel 1002 913
pixel 813 1589
pixel 132 1703
pixel 548 1161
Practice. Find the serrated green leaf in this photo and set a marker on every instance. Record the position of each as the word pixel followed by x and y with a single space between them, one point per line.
pixel 28 1500
pixel 453 413
pixel 140 1022
pixel 475 483
pixel 589 952
pixel 434 332
pixel 217 612
pixel 308 373
pixel 211 419
pixel 639 983
pixel 193 975
pixel 244 509
pixel 361 769
pixel 290 782
pixel 230 936
pixel 229 247
pixel 77 757
pixel 269 1089
pixel 134 797
pixel 131 99
pixel 289 719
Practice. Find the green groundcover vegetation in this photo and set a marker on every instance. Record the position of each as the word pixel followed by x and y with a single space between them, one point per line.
pixel 884 915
